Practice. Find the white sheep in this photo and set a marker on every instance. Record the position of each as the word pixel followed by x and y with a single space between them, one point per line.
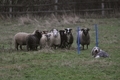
pixel 84 37
pixel 49 39
pixel 54 39
pixel 43 41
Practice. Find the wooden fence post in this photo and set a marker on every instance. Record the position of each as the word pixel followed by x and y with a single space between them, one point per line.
pixel 10 9
pixel 56 7
pixel 102 5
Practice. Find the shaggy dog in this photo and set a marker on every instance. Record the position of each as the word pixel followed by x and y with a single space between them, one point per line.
pixel 97 53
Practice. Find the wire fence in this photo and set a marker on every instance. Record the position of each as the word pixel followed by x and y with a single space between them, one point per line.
pixel 46 7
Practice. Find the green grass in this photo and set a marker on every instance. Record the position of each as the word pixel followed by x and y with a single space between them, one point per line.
pixel 60 64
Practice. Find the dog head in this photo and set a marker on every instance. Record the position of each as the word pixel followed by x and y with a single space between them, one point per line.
pixel 95 51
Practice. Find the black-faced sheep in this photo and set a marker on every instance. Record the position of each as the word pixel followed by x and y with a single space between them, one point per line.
pixel 70 38
pixel 84 37
pixel 20 39
pixel 97 52
pixel 63 38
pixel 33 40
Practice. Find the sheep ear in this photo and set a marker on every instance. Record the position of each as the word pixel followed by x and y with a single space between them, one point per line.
pixel 70 29
pixel 57 29
pixel 36 31
pixel 65 29
pixel 43 32
pixel 51 30
pixel 88 29
pixel 82 29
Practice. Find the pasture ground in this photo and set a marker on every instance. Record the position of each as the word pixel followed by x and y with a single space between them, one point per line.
pixel 60 64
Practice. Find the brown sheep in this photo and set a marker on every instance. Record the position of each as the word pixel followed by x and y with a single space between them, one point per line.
pixel 84 37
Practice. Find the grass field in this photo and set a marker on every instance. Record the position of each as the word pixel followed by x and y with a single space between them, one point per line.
pixel 60 64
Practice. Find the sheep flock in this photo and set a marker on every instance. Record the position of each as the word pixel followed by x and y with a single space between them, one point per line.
pixel 53 39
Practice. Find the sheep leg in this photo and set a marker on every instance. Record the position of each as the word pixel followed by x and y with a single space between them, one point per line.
pixel 69 46
pixel 87 46
pixel 36 47
pixel 83 47
pixel 32 47
pixel 66 45
pixel 21 47
pixel 40 47
pixel 55 47
pixel 62 45
pixel 27 47
pixel 16 46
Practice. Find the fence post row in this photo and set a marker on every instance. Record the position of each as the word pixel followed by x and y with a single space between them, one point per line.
pixel 60 6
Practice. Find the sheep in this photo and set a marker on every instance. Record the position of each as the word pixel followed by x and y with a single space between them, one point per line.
pixel 97 53
pixel 84 37
pixel 63 38
pixel 20 39
pixel 70 38
pixel 49 36
pixel 43 40
pixel 54 38
pixel 33 40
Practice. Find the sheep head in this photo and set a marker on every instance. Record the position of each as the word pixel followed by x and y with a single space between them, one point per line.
pixel 85 31
pixel 68 30
pixel 38 34
pixel 48 35
pixel 62 32
pixel 55 32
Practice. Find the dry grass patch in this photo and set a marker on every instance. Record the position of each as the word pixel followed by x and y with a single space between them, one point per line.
pixel 46 50
pixel 17 67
